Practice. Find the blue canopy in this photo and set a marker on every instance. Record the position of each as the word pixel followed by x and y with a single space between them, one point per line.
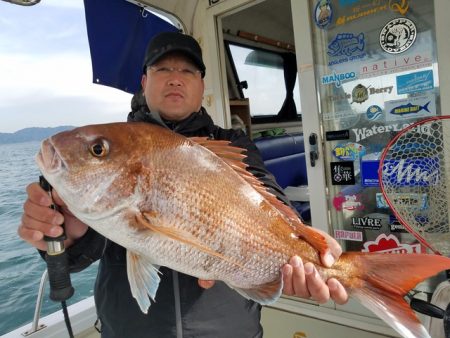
pixel 118 34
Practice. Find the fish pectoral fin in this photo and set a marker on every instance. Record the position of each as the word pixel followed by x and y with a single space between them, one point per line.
pixel 143 278
pixel 263 294
pixel 187 238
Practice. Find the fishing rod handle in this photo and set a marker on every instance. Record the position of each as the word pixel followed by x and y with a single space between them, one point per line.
pixel 56 257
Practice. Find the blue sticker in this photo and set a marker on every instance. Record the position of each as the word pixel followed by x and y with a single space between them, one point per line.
pixel 349 151
pixel 338 78
pixel 374 113
pixel 347 44
pixel 323 13
pixel 415 82
pixel 369 172
pixel 409 108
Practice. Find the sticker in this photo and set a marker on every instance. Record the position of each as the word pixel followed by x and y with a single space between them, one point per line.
pixel 395 65
pixel 356 236
pixel 400 6
pixel 347 46
pixel 363 133
pixel 391 244
pixel 339 97
pixel 398 35
pixel 360 94
pixel 337 135
pixel 347 2
pixel 338 78
pixel 381 90
pixel 369 170
pixel 362 11
pixel 415 82
pixel 338 115
pixel 348 202
pixel 411 201
pixel 413 107
pixel 422 172
pixel 395 225
pixel 342 173
pixel 374 113
pixel 323 13
pixel 380 201
pixel 366 223
pixel 349 151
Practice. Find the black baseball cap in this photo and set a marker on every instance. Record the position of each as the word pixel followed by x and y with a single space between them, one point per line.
pixel 168 42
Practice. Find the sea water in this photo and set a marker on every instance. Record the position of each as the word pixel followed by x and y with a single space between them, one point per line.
pixel 21 266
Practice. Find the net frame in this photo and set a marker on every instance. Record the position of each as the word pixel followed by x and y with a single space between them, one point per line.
pixel 428 223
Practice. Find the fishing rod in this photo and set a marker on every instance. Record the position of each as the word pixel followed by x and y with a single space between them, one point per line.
pixel 58 264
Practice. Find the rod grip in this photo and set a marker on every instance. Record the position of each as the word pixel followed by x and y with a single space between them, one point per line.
pixel 59 277
pixel 57 260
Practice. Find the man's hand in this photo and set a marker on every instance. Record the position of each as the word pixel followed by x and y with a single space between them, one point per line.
pixel 39 219
pixel 304 281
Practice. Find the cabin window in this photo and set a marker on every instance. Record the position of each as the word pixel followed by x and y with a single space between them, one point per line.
pixel 260 76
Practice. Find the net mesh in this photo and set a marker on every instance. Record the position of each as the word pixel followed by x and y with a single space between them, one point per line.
pixel 415 168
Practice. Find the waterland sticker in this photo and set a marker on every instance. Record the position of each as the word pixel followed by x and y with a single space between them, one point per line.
pixel 398 35
pixel 413 107
pixel 365 132
pixel 415 82
pixel 323 13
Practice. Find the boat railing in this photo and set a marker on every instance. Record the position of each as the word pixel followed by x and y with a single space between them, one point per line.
pixel 35 326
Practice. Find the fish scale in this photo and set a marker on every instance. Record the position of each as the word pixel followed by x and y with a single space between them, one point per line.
pixel 190 205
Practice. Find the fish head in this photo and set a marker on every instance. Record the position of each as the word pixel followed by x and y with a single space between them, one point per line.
pixel 95 166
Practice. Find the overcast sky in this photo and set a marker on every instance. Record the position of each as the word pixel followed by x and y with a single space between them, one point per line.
pixel 45 69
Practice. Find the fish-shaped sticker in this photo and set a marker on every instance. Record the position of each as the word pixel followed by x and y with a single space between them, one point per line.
pixel 409 108
pixel 346 44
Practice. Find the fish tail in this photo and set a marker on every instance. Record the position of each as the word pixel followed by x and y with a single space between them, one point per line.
pixel 381 282
pixel 425 107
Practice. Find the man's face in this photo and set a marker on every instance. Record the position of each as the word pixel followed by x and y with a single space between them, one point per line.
pixel 173 87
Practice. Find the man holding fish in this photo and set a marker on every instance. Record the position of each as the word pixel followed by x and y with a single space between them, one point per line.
pixel 184 306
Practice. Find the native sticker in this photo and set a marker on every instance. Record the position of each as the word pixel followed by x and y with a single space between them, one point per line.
pixel 323 13
pixel 374 113
pixel 360 94
pixel 342 173
pixel 349 151
pixel 398 35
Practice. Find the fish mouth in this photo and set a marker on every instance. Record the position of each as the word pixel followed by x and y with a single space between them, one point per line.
pixel 48 158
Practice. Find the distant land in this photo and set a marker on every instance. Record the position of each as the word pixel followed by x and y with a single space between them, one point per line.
pixel 31 134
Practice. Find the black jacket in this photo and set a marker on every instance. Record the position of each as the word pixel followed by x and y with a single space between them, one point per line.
pixel 182 308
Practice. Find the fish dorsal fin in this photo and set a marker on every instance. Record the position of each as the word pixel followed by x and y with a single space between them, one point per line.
pixel 233 156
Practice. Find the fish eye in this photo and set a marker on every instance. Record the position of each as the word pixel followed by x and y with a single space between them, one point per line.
pixel 99 148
